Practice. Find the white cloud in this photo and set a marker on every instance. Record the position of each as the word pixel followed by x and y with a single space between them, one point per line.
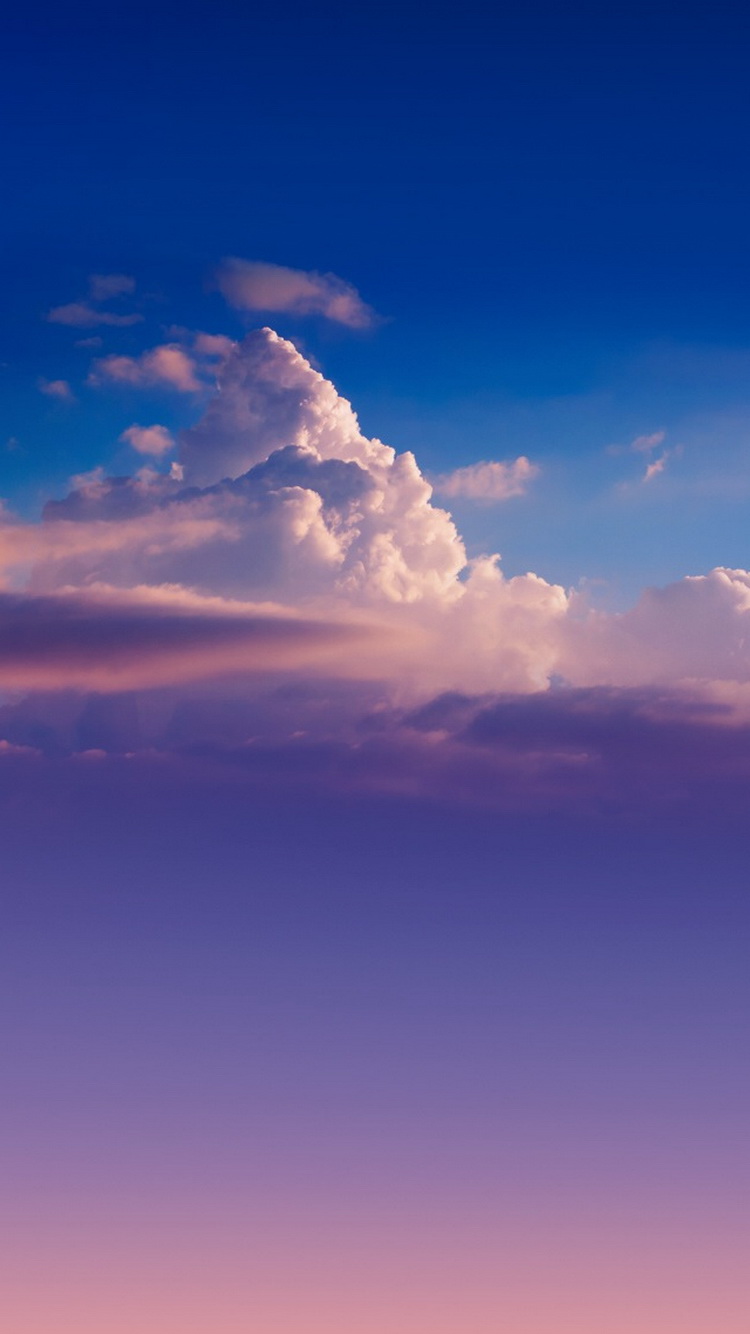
pixel 489 482
pixel 250 286
pixel 156 440
pixel 278 495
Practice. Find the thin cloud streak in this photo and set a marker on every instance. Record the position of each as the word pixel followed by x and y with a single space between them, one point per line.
pixel 105 641
pixel 249 285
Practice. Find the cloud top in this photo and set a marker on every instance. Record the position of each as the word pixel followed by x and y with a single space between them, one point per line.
pixel 306 568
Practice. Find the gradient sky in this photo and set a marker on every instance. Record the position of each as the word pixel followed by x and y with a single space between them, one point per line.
pixel 374 914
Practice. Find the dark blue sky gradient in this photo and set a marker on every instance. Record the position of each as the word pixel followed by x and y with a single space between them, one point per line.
pixel 578 168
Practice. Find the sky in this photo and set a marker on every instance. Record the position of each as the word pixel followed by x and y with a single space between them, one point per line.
pixel 374 671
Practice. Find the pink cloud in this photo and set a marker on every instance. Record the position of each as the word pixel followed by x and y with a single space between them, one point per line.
pixel 81 315
pixel 86 314
pixel 59 389
pixel 643 444
pixel 168 365
pixel 653 469
pixel 250 285
pixel 489 482
pixel 156 440
pixel 63 551
pixel 213 346
pixel 104 286
pixel 286 499
pixel 105 640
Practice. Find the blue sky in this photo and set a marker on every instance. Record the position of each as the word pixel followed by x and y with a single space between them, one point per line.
pixel 548 208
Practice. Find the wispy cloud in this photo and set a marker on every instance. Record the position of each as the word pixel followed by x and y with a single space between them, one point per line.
pixel 250 285
pixel 59 389
pixel 82 315
pixel 105 286
pixel 489 482
pixel 644 444
pixel 86 313
pixel 654 468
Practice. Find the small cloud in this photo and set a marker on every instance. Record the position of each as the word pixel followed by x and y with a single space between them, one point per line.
pixel 13 445
pixel 92 483
pixel 94 341
pixel 176 472
pixel 646 445
pixel 104 286
pixel 643 444
pixel 155 440
pixel 213 346
pixel 167 365
pixel 85 314
pixel 250 285
pixel 81 315
pixel 653 469
pixel 59 389
pixel 489 482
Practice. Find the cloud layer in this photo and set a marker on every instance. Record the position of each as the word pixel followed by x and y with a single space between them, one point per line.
pixel 285 543
pixel 107 641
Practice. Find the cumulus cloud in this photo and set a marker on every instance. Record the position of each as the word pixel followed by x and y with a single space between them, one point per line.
pixel 155 440
pixel 101 526
pixel 489 482
pixel 59 389
pixel 323 508
pixel 252 286
pixel 167 366
pixel 278 495
pixel 694 631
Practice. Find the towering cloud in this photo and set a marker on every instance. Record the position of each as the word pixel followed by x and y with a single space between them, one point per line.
pixel 279 497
